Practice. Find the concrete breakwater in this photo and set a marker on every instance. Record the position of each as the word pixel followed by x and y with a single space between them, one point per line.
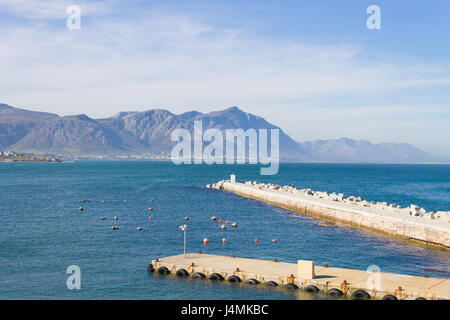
pixel 412 222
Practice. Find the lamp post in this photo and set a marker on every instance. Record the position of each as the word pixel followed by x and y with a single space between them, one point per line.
pixel 184 229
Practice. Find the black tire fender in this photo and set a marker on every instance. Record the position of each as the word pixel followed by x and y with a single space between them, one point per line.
pixel 234 279
pixel 389 297
pixel 333 292
pixel 198 275
pixel 163 270
pixel 312 289
pixel 291 286
pixel 270 284
pixel 215 277
pixel 182 273
pixel 252 281
pixel 360 294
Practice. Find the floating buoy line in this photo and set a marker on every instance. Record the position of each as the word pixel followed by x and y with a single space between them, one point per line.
pixel 223 224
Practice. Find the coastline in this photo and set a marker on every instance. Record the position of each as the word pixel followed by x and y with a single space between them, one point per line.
pixel 29 159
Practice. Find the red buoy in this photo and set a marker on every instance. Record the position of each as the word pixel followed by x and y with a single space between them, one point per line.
pixel 205 241
pixel 214 218
pixel 224 240
pixel 151 200
pixel 150 218
pixel 274 240
pixel 220 220
pixel 227 222
pixel 150 209
pixel 256 240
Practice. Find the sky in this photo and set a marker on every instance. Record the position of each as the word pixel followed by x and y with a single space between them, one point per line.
pixel 312 67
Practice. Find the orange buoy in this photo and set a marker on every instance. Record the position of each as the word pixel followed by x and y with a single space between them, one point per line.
pixel 205 241
pixel 256 240
pixel 214 218
pixel 220 220
pixel 150 218
pixel 186 218
pixel 150 208
pixel 102 218
pixel 274 240
pixel 223 227
pixel 224 240
pixel 234 224
pixel 227 222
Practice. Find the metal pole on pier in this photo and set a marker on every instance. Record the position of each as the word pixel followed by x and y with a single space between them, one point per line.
pixel 184 227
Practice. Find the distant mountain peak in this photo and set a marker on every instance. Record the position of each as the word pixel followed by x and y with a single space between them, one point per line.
pixel 190 115
pixel 150 131
pixel 124 114
pixel 81 117
pixel 233 109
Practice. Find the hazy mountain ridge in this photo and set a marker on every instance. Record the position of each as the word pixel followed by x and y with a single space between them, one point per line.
pixel 149 132
pixel 16 123
pixel 345 149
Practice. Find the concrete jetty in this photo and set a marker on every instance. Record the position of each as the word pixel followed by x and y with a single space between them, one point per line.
pixel 412 223
pixel 304 275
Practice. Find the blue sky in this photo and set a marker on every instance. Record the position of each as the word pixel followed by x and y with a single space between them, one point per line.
pixel 311 67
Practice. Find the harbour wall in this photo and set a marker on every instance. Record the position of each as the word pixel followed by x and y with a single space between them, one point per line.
pixel 411 228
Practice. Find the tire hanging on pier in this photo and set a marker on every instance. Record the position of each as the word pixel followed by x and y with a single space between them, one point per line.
pixel 389 297
pixel 163 270
pixel 198 275
pixel 335 293
pixel 420 298
pixel 312 289
pixel 360 295
pixel 151 268
pixel 216 277
pixel 252 281
pixel 291 286
pixel 182 273
pixel 270 284
pixel 234 279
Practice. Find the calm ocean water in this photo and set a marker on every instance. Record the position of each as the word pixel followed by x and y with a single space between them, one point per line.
pixel 42 232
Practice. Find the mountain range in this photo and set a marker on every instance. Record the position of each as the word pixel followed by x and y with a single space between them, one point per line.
pixel 149 132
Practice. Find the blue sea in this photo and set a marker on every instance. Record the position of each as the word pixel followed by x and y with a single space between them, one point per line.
pixel 42 232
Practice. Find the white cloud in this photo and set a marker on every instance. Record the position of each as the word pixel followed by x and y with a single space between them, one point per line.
pixel 160 60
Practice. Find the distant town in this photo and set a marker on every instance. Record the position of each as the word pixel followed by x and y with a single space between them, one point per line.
pixel 12 156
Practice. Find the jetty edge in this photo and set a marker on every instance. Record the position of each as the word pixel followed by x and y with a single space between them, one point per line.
pixel 304 274
pixel 411 223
